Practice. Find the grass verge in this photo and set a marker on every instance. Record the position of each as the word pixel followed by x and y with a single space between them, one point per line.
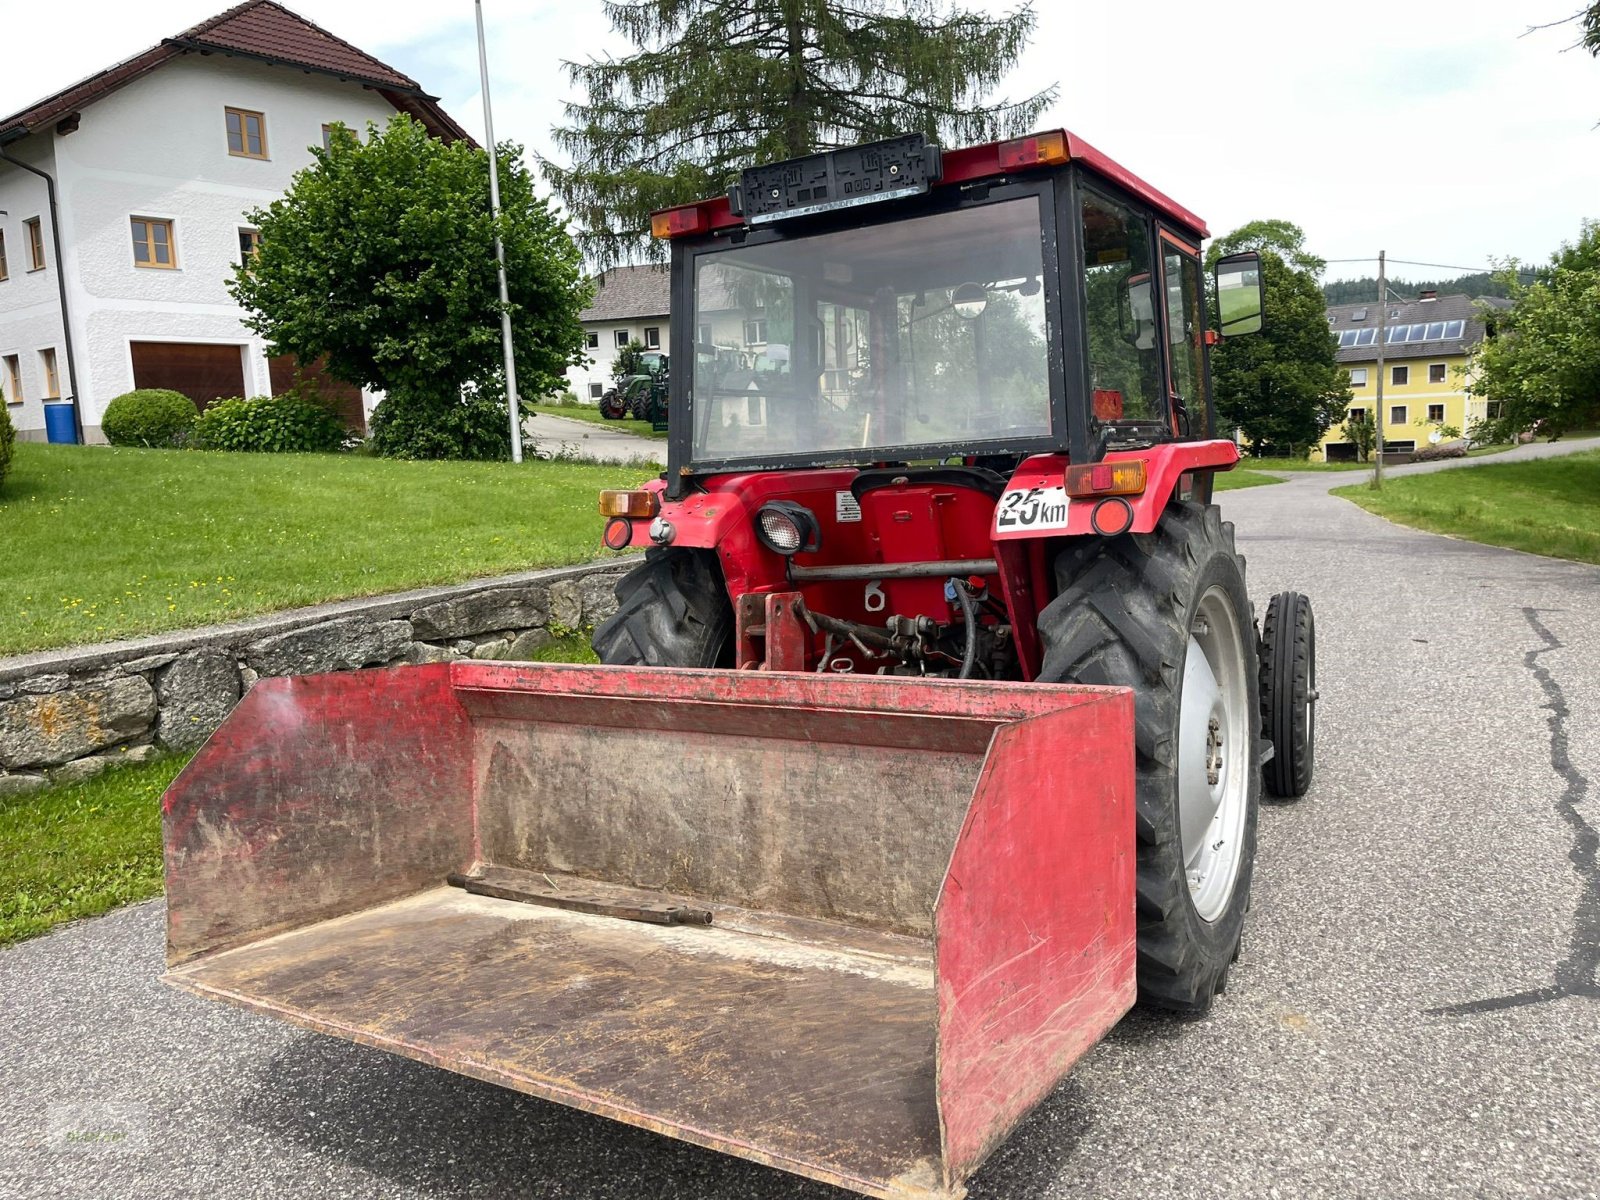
pixel 591 415
pixel 104 543
pixel 1548 506
pixel 1228 481
pixel 81 849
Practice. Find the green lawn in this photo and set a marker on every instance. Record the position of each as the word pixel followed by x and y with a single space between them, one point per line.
pixel 81 849
pixel 591 414
pixel 102 543
pixel 1300 464
pixel 1550 506
pixel 1228 481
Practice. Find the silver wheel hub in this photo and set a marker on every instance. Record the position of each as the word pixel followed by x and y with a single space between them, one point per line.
pixel 1213 754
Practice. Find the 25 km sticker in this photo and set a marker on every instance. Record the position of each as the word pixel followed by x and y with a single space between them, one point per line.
pixel 1032 508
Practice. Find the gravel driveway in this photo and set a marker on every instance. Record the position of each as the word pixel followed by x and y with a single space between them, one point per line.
pixel 1416 1012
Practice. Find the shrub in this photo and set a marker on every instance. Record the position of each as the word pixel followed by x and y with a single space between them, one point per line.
pixel 8 436
pixel 289 423
pixel 1443 450
pixel 150 417
pixel 470 427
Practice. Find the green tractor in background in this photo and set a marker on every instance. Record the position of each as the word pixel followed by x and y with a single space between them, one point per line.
pixel 640 394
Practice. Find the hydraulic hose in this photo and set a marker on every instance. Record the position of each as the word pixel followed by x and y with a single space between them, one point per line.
pixel 969 618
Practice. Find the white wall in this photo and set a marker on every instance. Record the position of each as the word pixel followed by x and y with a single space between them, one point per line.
pixel 158 148
pixel 602 357
pixel 30 307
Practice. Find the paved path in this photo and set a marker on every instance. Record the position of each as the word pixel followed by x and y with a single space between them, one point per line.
pixel 1416 1012
pixel 590 439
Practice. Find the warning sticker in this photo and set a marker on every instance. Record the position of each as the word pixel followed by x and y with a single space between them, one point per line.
pixel 845 507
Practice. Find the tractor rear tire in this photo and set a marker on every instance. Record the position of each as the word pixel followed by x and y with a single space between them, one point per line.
pixel 612 406
pixel 672 611
pixel 1134 611
pixel 1289 692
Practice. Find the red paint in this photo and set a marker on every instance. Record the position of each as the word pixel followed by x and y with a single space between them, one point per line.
pixel 1034 928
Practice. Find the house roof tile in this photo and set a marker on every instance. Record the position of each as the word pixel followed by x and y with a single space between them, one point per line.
pixel 623 293
pixel 258 29
pixel 1457 307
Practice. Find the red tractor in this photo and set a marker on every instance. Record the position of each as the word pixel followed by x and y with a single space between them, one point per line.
pixel 947 415
pixel 853 896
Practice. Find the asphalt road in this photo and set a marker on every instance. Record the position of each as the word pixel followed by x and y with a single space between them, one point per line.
pixel 1416 1012
pixel 550 434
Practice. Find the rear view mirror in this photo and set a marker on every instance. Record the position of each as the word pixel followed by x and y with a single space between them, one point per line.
pixel 1239 295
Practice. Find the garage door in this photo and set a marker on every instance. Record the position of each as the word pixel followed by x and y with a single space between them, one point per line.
pixel 343 396
pixel 200 371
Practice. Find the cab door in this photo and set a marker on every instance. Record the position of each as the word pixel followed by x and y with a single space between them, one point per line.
pixel 1183 340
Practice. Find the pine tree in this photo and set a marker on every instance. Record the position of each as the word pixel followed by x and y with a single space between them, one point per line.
pixel 720 85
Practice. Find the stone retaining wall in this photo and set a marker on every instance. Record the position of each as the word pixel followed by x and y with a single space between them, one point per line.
pixel 69 714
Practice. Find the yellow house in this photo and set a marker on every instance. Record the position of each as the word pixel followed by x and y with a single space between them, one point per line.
pixel 1426 347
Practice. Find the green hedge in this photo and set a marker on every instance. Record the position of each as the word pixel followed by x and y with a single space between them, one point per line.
pixel 289 423
pixel 8 436
pixel 150 417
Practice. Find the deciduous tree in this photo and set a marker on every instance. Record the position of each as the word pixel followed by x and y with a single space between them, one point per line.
pixel 718 85
pixel 1282 387
pixel 380 259
pixel 1543 364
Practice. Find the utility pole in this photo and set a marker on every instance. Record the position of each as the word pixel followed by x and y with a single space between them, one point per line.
pixel 499 248
pixel 1377 415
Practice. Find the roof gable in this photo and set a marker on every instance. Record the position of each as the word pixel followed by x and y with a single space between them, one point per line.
pixel 261 30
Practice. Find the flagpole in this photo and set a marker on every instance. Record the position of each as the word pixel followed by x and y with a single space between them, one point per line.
pixel 499 247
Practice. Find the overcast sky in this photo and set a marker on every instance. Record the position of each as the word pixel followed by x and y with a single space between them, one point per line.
pixel 1434 130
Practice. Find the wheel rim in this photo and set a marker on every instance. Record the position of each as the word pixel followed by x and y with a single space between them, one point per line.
pixel 1214 750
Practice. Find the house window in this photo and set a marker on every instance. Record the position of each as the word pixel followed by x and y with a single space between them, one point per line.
pixel 622 337
pixel 5 269
pixel 152 243
pixel 705 335
pixel 1436 412
pixel 1435 372
pixel 1356 414
pixel 1397 414
pixel 13 380
pixel 755 333
pixel 1358 377
pixel 1400 376
pixel 35 244
pixel 247 133
pixel 596 390
pixel 1494 409
pixel 652 337
pixel 47 366
pixel 594 340
pixel 249 244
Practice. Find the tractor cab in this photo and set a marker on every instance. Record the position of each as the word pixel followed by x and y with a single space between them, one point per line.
pixel 892 303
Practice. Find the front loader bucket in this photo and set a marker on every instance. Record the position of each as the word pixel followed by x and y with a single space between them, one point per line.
pixel 919 895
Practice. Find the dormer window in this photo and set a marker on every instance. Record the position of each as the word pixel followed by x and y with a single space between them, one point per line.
pixel 247 133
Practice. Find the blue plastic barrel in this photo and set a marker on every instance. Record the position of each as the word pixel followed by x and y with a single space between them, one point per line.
pixel 59 427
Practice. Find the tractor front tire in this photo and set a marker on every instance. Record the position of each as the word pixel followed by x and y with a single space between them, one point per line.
pixel 672 611
pixel 1289 693
pixel 1166 614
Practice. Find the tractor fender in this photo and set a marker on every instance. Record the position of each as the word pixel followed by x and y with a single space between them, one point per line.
pixel 1035 502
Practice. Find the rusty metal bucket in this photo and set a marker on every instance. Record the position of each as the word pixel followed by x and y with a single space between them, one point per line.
pixel 849 927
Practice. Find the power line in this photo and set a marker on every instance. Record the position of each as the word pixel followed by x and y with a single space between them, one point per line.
pixel 1436 266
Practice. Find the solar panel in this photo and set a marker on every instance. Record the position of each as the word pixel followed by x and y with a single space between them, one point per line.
pixel 1360 314
pixel 1435 330
pixel 1453 330
pixel 1367 337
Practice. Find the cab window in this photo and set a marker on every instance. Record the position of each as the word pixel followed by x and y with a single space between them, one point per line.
pixel 1128 401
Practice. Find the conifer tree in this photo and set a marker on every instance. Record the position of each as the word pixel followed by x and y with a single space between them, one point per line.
pixel 719 85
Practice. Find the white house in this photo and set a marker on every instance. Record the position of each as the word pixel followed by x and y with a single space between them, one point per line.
pixel 630 304
pixel 123 201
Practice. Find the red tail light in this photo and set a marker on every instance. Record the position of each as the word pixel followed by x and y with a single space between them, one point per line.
pixel 682 221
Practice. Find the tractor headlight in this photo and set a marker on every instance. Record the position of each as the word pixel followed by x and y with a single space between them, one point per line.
pixel 787 528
